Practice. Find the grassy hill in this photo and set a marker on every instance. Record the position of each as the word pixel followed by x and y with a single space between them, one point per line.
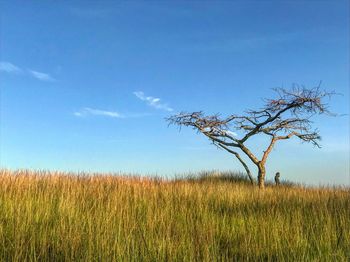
pixel 52 216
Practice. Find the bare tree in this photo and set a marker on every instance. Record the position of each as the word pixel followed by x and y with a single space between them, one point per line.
pixel 286 116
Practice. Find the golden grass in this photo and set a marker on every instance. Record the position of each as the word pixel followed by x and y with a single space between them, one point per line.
pixel 52 216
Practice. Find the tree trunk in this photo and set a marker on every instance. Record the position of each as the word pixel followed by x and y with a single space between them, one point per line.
pixel 261 176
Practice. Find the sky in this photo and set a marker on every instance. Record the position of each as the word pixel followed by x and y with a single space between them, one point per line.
pixel 87 85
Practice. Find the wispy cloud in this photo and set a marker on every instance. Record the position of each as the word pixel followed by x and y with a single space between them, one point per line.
pixel 230 133
pixel 97 112
pixel 153 101
pixel 9 68
pixel 41 76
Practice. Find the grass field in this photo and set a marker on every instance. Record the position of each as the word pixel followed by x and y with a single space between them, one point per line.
pixel 51 216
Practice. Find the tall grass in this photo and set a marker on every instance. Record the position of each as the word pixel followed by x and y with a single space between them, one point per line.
pixel 61 217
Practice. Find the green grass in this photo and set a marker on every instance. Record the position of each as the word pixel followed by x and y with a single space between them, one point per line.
pixel 63 217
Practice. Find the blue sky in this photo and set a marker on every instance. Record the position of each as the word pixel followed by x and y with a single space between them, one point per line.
pixel 85 86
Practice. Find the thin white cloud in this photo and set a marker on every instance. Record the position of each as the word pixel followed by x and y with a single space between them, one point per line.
pixel 152 101
pixel 41 76
pixel 230 133
pixel 9 68
pixel 97 112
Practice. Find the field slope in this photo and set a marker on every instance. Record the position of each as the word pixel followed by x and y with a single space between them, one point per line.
pixel 51 216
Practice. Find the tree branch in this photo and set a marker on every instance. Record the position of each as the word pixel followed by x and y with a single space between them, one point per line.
pixel 240 160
